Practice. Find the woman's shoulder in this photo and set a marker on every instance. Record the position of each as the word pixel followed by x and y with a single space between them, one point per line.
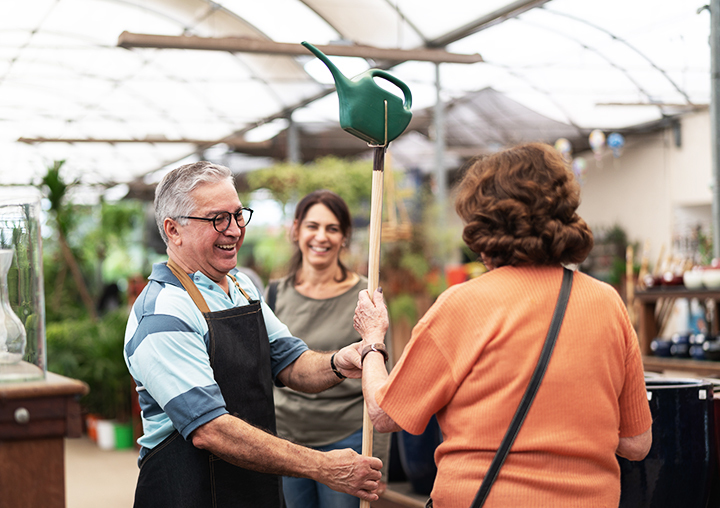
pixel 592 286
pixel 279 286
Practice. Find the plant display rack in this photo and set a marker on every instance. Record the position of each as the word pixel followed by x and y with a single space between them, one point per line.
pixel 648 329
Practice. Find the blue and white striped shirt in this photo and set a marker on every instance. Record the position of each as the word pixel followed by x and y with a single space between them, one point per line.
pixel 166 351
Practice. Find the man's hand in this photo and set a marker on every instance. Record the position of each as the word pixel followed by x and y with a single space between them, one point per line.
pixel 244 445
pixel 347 361
pixel 357 475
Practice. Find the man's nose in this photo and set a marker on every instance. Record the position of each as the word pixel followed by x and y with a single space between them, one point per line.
pixel 234 229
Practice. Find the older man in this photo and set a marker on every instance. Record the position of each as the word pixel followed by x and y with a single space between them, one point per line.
pixel 204 350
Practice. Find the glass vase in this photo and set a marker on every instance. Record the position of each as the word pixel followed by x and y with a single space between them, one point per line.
pixel 22 305
pixel 13 338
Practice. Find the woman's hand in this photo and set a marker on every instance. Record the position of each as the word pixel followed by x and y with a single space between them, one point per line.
pixel 371 317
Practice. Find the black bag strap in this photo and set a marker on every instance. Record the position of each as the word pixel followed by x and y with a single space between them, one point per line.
pixel 529 396
pixel 272 294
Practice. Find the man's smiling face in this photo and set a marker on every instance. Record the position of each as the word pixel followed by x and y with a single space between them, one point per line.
pixel 200 246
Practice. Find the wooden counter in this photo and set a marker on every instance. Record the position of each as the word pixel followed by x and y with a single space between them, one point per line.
pixel 35 417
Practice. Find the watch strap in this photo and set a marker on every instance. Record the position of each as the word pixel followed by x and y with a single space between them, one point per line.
pixel 378 347
pixel 334 369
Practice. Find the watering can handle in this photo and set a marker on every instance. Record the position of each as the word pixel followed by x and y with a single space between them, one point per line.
pixel 407 103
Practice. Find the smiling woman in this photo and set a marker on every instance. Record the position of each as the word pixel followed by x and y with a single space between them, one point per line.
pixel 317 300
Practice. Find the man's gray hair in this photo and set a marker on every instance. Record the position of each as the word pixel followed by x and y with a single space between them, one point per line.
pixel 172 195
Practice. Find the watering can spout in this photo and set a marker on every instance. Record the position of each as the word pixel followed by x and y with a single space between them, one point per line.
pixel 368 111
pixel 338 76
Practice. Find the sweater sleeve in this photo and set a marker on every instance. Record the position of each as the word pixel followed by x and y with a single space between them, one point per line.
pixel 419 385
pixel 635 417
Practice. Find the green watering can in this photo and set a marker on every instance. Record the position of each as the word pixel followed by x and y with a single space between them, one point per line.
pixel 362 103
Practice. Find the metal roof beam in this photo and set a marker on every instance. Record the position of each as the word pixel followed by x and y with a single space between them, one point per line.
pixel 253 45
pixel 493 18
pixel 234 141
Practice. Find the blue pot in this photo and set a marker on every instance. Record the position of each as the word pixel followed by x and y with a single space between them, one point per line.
pixel 680 347
pixel 417 456
pixel 661 347
pixel 678 471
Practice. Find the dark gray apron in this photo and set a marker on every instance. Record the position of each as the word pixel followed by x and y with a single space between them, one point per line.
pixel 175 474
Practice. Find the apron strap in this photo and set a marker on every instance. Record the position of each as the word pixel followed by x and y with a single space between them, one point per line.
pixel 247 297
pixel 189 286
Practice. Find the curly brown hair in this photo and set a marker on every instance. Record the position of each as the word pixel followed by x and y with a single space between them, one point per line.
pixel 519 207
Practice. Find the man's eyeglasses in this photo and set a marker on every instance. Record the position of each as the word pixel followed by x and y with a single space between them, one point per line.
pixel 221 221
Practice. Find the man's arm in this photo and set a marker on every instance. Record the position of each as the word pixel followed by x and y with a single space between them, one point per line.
pixel 311 372
pixel 239 443
pixel 635 447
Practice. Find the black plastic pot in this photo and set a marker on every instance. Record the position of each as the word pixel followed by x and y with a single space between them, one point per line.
pixel 681 465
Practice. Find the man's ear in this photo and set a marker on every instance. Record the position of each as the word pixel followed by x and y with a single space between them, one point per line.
pixel 172 231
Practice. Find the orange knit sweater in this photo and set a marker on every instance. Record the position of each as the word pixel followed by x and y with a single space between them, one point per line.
pixel 470 360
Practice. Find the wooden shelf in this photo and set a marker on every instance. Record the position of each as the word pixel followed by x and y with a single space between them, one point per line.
pixel 653 295
pixel 648 329
pixel 705 368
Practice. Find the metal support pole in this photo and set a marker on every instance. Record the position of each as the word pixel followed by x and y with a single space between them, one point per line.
pixel 293 142
pixel 715 120
pixel 440 176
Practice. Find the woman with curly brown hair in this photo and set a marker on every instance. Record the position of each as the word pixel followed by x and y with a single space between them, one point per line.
pixel 471 356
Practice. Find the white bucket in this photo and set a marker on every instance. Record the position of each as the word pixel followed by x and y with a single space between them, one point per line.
pixel 106 434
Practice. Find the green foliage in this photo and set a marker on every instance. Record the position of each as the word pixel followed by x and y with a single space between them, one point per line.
pixel 607 259
pixel 272 252
pixel 105 245
pixel 403 307
pixel 92 351
pixel 62 300
pixel 615 235
pixel 351 180
pixel 705 246
pixel 436 283
pixel 56 189
pixel 112 231
pixel 118 219
pixel 416 263
pixel 281 180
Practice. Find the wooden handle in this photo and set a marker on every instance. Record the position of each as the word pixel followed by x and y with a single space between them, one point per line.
pixel 375 228
pixel 373 273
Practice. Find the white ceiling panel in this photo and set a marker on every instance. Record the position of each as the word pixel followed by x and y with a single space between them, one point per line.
pixel 62 75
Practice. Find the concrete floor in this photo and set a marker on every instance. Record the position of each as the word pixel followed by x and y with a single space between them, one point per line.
pixel 106 479
pixel 98 478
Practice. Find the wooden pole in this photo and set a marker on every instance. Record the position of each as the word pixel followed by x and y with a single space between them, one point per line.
pixel 373 272
pixel 630 282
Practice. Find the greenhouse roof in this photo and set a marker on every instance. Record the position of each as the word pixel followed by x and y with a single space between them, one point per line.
pixel 85 81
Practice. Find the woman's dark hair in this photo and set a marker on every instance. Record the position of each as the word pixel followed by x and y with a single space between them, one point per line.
pixel 519 207
pixel 340 210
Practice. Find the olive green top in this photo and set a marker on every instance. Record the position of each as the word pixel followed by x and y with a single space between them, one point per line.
pixel 320 419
